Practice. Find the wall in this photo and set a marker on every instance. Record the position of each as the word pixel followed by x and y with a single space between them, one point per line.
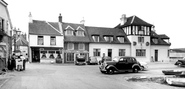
pixel 140 46
pixel 34 40
pixel 162 53
pixel 104 49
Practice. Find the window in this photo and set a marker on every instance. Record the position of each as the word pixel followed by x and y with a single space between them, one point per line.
pixel 40 40
pixel 121 52
pixel 141 39
pixel 70 46
pixel 155 40
pixel 96 52
pixel 52 40
pixel 108 38
pixel 140 52
pixel 80 33
pixel 121 39
pixel 70 57
pixel 1 24
pixel 69 32
pixel 95 38
pixel 81 46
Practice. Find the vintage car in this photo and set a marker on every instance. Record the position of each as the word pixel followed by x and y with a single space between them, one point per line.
pixel 180 63
pixel 80 60
pixel 92 60
pixel 120 64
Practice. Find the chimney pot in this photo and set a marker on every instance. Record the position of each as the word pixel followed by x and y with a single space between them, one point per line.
pixel 60 18
pixel 123 19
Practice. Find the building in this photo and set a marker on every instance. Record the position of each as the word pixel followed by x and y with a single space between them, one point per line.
pixel 5 33
pixel 76 41
pixel 45 41
pixel 146 44
pixel 109 41
pixel 21 44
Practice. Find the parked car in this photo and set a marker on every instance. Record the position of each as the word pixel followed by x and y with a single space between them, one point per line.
pixel 180 63
pixel 107 58
pixel 92 60
pixel 80 60
pixel 144 65
pixel 120 64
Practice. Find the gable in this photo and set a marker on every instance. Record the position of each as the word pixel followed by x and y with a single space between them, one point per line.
pixel 69 28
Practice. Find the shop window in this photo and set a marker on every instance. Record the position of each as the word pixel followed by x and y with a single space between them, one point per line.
pixel 70 57
pixel 51 54
pixel 43 54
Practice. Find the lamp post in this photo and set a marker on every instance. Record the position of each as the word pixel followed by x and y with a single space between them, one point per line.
pixel 16 33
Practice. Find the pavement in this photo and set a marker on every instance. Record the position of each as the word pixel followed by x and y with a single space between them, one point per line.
pixel 70 76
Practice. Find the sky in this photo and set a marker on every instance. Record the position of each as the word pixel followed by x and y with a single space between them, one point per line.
pixel 168 16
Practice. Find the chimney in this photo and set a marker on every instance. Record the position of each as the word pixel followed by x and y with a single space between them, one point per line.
pixel 82 21
pixel 123 19
pixel 30 18
pixel 60 18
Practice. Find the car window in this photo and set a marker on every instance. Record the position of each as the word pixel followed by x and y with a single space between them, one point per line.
pixel 129 60
pixel 123 60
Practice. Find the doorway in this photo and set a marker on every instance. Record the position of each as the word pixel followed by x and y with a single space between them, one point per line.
pixel 110 53
pixel 156 55
pixel 35 55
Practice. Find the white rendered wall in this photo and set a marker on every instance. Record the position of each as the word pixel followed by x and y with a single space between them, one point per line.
pixel 34 41
pixel 162 53
pixel 104 49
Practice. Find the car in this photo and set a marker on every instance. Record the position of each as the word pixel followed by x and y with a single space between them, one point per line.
pixel 180 63
pixel 144 65
pixel 92 60
pixel 120 64
pixel 107 58
pixel 80 59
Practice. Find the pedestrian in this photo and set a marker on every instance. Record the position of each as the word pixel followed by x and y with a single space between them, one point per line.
pixel 103 58
pixel 24 61
pixel 13 63
pixel 10 66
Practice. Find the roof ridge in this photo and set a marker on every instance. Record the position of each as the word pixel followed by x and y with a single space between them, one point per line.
pixel 53 27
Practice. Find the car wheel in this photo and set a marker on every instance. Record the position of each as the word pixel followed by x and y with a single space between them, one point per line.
pixel 135 70
pixel 111 71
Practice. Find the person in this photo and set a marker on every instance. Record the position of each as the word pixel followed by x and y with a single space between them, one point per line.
pixel 19 63
pixel 103 58
pixel 13 63
pixel 10 66
pixel 24 61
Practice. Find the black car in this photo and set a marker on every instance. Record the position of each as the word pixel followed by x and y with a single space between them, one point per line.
pixel 120 64
pixel 180 63
pixel 80 59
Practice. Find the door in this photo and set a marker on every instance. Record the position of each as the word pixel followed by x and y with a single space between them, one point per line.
pixel 121 65
pixel 36 55
pixel 156 55
pixel 110 53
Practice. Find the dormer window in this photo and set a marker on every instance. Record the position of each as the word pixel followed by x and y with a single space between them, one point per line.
pixel 69 32
pixel 96 38
pixel 108 38
pixel 80 33
pixel 121 39
pixel 155 40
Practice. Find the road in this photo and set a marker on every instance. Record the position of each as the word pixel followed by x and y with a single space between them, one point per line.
pixel 69 76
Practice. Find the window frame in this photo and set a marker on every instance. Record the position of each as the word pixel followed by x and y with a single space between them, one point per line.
pixel 121 39
pixel 141 39
pixel 83 46
pixel 40 38
pixel 72 45
pixel 2 22
pixel 69 31
pixel 140 52
pixel 122 52
pixel 108 38
pixel 80 33
pixel 54 40
pixel 96 52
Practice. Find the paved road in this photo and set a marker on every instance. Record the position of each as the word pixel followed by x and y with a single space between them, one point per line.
pixel 69 76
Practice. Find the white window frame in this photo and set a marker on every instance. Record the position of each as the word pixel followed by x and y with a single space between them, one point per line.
pixel 121 39
pixel 98 38
pixel 51 41
pixel 80 33
pixel 97 52
pixel 83 45
pixel 120 52
pixel 38 40
pixel 69 31
pixel 68 48
pixel 140 52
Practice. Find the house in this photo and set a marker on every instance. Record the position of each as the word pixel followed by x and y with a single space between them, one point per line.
pixel 21 44
pixel 5 34
pixel 45 41
pixel 76 41
pixel 146 44
pixel 109 41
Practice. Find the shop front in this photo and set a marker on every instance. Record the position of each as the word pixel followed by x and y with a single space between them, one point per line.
pixel 46 54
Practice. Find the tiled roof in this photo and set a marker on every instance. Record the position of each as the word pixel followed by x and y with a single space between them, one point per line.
pixel 160 40
pixel 21 41
pixel 75 38
pixel 134 20
pixel 44 28
pixel 102 31
pixel 163 36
